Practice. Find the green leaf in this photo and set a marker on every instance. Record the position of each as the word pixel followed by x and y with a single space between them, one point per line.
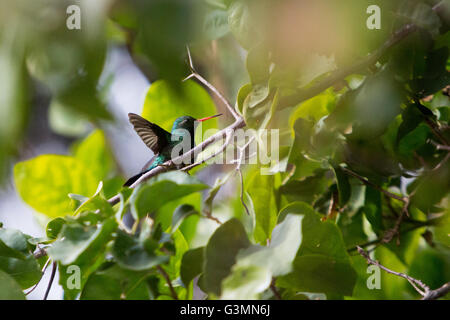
pixel 220 254
pixel 191 264
pixel 77 243
pixel 261 189
pixel 181 213
pixel 163 104
pixel 6 251
pixel 278 256
pixel 66 121
pixel 373 210
pixel 9 289
pixel 116 283
pixel 131 253
pixel 422 15
pixel 13 244
pixel 320 273
pixel 15 100
pixel 54 227
pixel 208 203
pixel 161 189
pixel 215 24
pixel 239 20
pixel 53 177
pixel 94 154
pixel 245 283
pixel 258 64
pixel 343 185
pixel 322 263
pixel 16 258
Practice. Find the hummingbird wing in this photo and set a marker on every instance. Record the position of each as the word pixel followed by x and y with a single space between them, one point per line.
pixel 155 137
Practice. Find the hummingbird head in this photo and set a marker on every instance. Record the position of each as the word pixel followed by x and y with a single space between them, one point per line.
pixel 189 123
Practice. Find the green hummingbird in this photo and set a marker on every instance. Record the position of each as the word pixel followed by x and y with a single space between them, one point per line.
pixel 162 142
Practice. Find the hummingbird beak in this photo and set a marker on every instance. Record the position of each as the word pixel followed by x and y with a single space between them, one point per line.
pixel 207 118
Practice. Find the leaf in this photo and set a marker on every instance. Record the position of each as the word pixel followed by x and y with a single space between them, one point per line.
pixel 6 251
pixel 244 91
pixel 319 273
pixel 161 189
pixel 413 141
pixel 373 210
pixel 94 154
pixel 77 243
pixel 422 15
pixel 163 104
pixel 54 227
pixel 215 24
pixel 245 283
pixel 16 258
pixel 220 254
pixel 343 185
pixel 191 264
pixel 181 213
pixel 131 254
pixel 9 289
pixel 66 121
pixel 278 256
pixel 116 283
pixel 322 263
pixel 239 20
pixel 53 177
pixel 13 244
pixel 261 190
pixel 208 203
pixel 315 108
pixel 258 64
pixel 14 102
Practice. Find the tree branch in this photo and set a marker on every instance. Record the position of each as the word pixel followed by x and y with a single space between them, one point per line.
pixel 423 290
pixel 405 200
pixel 418 285
pixel 195 74
pixel 169 283
pixel 340 74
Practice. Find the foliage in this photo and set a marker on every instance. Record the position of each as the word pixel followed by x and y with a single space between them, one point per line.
pixel 363 161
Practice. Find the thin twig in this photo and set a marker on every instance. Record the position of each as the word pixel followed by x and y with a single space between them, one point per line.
pixel 169 283
pixel 195 74
pixel 275 290
pixel 373 185
pixel 52 277
pixel 440 146
pixel 414 282
pixel 42 275
pixel 229 136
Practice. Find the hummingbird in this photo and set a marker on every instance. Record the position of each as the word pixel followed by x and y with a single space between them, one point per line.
pixel 162 142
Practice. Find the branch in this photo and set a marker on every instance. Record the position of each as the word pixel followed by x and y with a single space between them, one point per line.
pixel 275 290
pixel 169 283
pixel 405 200
pixel 437 293
pixel 340 74
pixel 195 74
pixel 423 290
pixel 52 277
pixel 228 136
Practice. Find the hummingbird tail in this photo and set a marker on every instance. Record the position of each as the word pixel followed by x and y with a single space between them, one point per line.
pixel 133 179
